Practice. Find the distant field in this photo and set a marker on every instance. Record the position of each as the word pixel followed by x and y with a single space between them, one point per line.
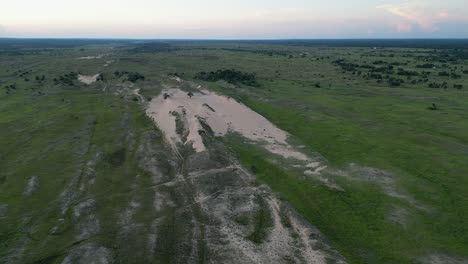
pixel 390 118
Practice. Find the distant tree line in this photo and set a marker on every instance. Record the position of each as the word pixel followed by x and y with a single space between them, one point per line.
pixel 153 48
pixel 230 76
pixel 382 72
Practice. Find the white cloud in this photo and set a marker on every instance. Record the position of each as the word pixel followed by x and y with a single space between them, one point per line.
pixel 422 14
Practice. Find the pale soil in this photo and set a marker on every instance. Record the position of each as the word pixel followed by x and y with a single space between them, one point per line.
pixel 88 79
pixel 100 56
pixel 443 259
pixel 223 115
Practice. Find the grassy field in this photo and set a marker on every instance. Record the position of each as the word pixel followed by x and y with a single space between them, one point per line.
pixel 330 99
pixel 81 144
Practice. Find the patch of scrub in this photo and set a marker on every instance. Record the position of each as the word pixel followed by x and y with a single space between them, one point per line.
pixel 223 115
pixel 88 79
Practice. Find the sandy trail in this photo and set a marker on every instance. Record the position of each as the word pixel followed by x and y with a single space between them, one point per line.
pixel 222 114
pixel 88 79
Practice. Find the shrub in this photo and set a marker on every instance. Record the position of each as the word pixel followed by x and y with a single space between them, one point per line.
pixel 116 158
pixel 426 66
pixel 433 107
pixel 444 73
pixel 134 77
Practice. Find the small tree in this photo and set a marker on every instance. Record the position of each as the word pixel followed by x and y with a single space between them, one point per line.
pixel 433 107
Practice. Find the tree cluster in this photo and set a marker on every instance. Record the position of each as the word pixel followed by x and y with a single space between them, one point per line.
pixel 230 76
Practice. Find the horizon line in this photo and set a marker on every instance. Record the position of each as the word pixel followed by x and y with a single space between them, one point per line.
pixel 225 39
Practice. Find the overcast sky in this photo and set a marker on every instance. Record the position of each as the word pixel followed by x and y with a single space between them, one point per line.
pixel 234 19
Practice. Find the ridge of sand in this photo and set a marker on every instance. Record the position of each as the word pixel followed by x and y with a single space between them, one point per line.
pixel 222 114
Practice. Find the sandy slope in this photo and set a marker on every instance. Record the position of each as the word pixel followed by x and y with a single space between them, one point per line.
pixel 222 115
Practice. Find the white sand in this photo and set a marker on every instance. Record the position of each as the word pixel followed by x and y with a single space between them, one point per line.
pixel 88 79
pixel 91 57
pixel 222 114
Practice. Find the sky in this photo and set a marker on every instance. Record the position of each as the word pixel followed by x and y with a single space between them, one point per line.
pixel 234 19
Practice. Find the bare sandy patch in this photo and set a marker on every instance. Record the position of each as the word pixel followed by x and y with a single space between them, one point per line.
pixel 444 259
pixel 223 115
pixel 108 63
pixel 88 79
pixel 100 56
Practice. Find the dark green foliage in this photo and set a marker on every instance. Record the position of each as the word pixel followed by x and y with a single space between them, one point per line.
pixel 131 76
pixel 433 107
pixel 66 79
pixel 454 75
pixel 100 77
pixel 438 85
pixel 116 158
pixel 260 51
pixel 394 82
pixel 407 73
pixel 134 77
pixel 231 76
pixel 376 76
pixel 346 66
pixel 40 78
pixel 10 87
pixel 153 47
pixel 426 66
pixel 444 74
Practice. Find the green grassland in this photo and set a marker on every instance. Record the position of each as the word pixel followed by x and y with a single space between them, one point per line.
pixel 52 130
pixel 60 133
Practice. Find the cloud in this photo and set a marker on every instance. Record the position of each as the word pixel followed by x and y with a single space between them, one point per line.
pixel 409 13
pixel 421 14
pixel 403 27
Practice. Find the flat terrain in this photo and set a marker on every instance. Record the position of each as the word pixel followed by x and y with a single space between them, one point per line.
pixel 123 152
